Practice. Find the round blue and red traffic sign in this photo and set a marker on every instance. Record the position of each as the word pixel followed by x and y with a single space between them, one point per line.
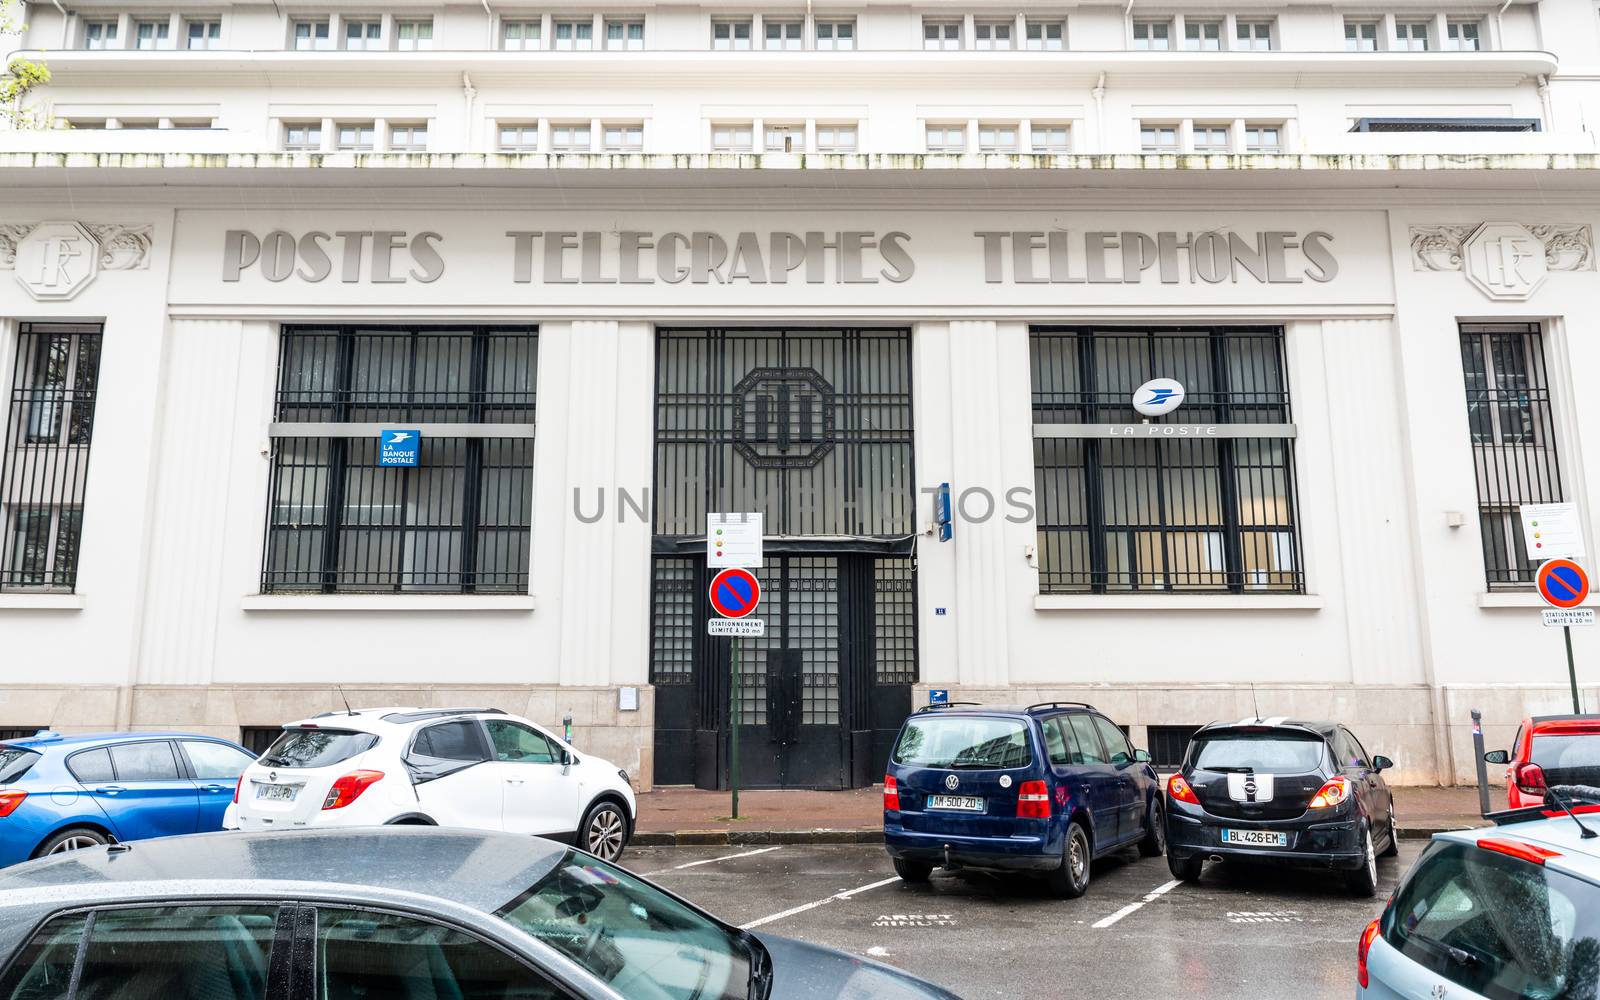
pixel 1562 583
pixel 735 592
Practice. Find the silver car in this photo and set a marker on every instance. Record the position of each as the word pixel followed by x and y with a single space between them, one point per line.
pixel 387 913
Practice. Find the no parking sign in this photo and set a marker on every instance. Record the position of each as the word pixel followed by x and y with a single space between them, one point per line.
pixel 1562 583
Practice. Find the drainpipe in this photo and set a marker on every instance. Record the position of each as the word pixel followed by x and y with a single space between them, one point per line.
pixel 1499 25
pixel 1544 102
pixel 490 29
pixel 1099 95
pixel 469 94
pixel 65 19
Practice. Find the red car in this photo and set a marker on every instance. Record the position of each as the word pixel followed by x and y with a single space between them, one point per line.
pixel 1550 750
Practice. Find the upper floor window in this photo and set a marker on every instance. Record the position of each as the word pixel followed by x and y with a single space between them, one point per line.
pixel 1202 35
pixel 625 35
pixel 941 34
pixel 1463 36
pixel 191 123
pixel 784 34
pixel 1046 36
pixel 354 137
pixel 836 34
pixel 100 34
pixel 519 138
pixel 152 34
pixel 1158 138
pixel 1360 36
pixel 727 36
pixel 1050 138
pixel 619 138
pixel 570 137
pixel 1152 35
pixel 302 136
pixel 1253 35
pixel 81 124
pixel 837 139
pixel 574 34
pixel 1211 138
pixel 309 35
pixel 996 137
pixel 992 34
pixel 785 139
pixel 1260 138
pixel 363 34
pixel 203 34
pixel 732 137
pixel 947 138
pixel 414 35
pixel 1411 36
pixel 408 138
pixel 138 124
pixel 519 35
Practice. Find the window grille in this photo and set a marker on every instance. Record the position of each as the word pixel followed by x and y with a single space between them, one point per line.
pixel 1513 440
pixel 1139 513
pixel 44 466
pixel 1168 744
pixel 257 739
pixel 458 521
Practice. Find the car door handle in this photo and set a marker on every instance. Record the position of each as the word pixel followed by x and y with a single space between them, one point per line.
pixel 216 788
pixel 112 789
pixel 515 781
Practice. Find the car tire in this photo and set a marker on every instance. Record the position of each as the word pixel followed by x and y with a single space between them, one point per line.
pixel 1363 882
pixel 604 831
pixel 912 871
pixel 1186 869
pixel 1393 847
pixel 1154 843
pixel 75 839
pixel 1071 880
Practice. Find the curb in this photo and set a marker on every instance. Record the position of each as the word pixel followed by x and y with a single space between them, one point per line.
pixel 870 835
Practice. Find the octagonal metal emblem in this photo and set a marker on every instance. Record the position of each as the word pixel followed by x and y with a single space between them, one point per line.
pixel 1504 260
pixel 57 261
pixel 783 418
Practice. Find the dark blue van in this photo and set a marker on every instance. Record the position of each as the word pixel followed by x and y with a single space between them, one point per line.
pixel 1047 788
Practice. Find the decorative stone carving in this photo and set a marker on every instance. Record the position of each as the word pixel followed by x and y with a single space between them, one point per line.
pixel 1567 247
pixel 1437 248
pixel 56 261
pixel 113 247
pixel 10 236
pixel 1504 261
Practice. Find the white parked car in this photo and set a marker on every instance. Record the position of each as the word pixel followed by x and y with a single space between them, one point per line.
pixel 471 767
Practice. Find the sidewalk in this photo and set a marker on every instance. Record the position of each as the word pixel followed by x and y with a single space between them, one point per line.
pixel 680 816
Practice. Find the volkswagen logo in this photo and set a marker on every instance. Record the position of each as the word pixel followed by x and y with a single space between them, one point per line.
pixel 952 782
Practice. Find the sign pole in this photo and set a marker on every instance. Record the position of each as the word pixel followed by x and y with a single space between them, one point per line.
pixel 733 722
pixel 1572 671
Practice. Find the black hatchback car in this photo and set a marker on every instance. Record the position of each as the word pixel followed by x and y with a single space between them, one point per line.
pixel 1281 791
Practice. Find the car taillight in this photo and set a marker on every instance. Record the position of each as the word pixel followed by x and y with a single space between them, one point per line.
pixel 1367 937
pixel 9 802
pixel 1518 849
pixel 238 787
pixel 1333 792
pixel 1179 789
pixel 1530 779
pixel 349 788
pixel 891 794
pixel 1033 800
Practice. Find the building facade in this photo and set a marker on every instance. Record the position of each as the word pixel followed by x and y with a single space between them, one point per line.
pixel 616 269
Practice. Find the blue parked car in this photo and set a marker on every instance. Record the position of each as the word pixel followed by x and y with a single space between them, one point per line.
pixel 1044 789
pixel 59 793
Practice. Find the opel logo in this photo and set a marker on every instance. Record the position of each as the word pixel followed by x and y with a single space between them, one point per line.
pixel 1250 788
pixel 272 775
pixel 952 782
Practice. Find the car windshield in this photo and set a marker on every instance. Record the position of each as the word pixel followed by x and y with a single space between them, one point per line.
pixel 1273 753
pixel 1568 758
pixel 316 747
pixel 955 741
pixel 15 762
pixel 634 937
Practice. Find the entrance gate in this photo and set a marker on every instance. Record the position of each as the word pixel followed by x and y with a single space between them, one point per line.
pixel 813 428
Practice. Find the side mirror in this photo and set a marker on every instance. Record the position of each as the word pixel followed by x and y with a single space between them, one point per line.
pixel 1142 756
pixel 1381 763
pixel 1497 757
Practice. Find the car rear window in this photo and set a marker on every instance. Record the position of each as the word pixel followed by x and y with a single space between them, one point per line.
pixel 1273 752
pixel 964 742
pixel 316 747
pixel 1498 926
pixel 15 762
pixel 1568 758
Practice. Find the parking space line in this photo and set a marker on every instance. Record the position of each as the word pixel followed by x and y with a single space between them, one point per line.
pixel 813 905
pixel 1159 890
pixel 710 861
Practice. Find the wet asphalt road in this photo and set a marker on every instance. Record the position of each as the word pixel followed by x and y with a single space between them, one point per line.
pixel 1238 933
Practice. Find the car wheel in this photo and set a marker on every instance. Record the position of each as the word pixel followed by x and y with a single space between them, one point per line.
pixel 912 871
pixel 1071 880
pixel 1155 832
pixel 1186 869
pixel 1363 881
pixel 75 839
pixel 1393 847
pixel 604 832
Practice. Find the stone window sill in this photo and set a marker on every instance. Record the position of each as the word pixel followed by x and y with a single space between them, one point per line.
pixel 387 602
pixel 1511 599
pixel 1178 602
pixel 41 602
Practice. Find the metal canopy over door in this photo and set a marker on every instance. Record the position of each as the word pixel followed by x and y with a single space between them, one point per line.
pixel 812 428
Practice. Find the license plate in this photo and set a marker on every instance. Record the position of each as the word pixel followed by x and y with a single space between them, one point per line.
pixel 1255 838
pixel 963 803
pixel 276 793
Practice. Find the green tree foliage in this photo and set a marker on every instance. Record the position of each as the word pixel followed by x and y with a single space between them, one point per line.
pixel 20 76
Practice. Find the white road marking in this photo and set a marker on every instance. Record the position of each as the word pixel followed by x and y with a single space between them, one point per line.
pixel 1159 890
pixel 821 902
pixel 710 861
